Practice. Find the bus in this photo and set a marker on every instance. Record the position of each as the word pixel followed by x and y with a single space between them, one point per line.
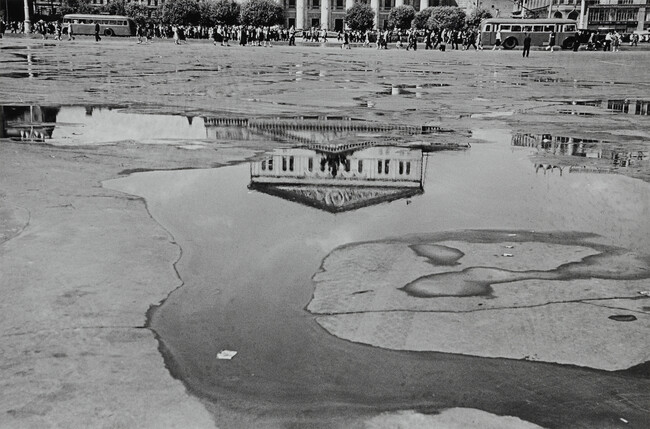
pixel 513 29
pixel 109 25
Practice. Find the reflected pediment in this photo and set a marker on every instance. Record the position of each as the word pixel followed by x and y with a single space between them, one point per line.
pixel 339 180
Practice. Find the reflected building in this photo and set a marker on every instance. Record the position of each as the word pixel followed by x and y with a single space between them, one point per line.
pixel 314 130
pixel 576 147
pixel 625 105
pixel 340 179
pixel 29 123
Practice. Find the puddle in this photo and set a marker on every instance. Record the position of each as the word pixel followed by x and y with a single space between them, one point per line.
pixel 254 237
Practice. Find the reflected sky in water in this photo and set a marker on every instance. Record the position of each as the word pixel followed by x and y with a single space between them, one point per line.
pixel 248 259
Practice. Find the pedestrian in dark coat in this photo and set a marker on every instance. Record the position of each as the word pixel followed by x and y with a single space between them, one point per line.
pixel 527 41
pixel 97 38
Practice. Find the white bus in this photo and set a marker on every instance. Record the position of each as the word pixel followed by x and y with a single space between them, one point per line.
pixel 512 31
pixel 109 25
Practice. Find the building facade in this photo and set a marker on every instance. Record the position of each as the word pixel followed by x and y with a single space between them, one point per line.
pixel 624 16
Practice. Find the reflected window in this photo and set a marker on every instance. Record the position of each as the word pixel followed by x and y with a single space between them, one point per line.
pixel 271 164
pixel 360 166
pixel 379 167
pixel 310 164
pixel 347 165
pixel 284 163
pixel 263 165
pixel 291 163
pixel 401 167
pixel 386 166
pixel 408 168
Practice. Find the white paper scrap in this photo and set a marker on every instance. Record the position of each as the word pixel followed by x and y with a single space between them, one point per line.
pixel 226 354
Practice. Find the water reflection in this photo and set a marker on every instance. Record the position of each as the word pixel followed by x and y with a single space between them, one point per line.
pixel 626 105
pixel 34 123
pixel 584 148
pixel 86 125
pixel 337 179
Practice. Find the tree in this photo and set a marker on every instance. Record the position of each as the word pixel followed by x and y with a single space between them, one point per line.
pixel 114 7
pixel 421 18
pixel 219 12
pixel 138 11
pixel 75 6
pixel 446 18
pixel 261 13
pixel 360 17
pixel 227 12
pixel 180 12
pixel 474 20
pixel 401 17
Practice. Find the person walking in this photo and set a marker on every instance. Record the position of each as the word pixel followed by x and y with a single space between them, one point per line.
pixel 576 42
pixel 292 36
pixel 551 41
pixel 70 33
pixel 527 41
pixel 97 28
pixel 608 42
pixel 616 40
pixel 497 42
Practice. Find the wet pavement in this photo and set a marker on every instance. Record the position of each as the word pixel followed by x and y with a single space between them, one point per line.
pixel 396 238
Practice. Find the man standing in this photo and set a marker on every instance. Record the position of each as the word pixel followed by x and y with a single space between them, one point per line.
pixel 97 38
pixel 527 41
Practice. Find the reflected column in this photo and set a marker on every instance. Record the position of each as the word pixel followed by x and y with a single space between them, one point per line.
pixel 424 4
pixel 399 3
pixel 300 14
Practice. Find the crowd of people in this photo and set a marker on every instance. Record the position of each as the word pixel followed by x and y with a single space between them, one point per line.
pixel 265 36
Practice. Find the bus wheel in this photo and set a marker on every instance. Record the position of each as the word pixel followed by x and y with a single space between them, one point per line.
pixel 510 43
pixel 568 43
pixel 109 32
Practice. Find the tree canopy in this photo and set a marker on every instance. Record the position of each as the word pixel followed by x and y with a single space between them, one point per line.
pixel 219 12
pixel 474 20
pixel 114 7
pixel 421 18
pixel 401 17
pixel 360 17
pixel 181 12
pixel 261 13
pixel 139 12
pixel 446 18
pixel 75 6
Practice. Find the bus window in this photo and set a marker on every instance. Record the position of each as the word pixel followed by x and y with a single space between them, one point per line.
pixel 528 28
pixel 570 27
pixel 516 28
pixel 504 28
pixel 538 28
pixel 549 28
pixel 488 27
